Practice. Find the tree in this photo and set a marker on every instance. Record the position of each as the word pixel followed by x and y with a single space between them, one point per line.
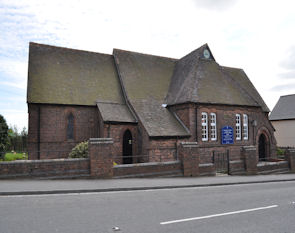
pixel 3 134
pixel 17 141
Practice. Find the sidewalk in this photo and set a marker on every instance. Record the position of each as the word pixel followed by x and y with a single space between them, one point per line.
pixel 30 187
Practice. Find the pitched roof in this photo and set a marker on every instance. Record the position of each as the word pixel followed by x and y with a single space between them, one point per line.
pixel 113 112
pixel 245 85
pixel 145 79
pixel 199 80
pixel 67 76
pixel 74 77
pixel 284 108
pixel 127 86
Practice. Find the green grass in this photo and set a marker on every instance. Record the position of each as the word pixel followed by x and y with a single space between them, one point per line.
pixel 14 156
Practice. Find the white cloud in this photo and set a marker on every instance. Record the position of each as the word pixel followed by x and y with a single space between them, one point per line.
pixel 215 4
pixel 13 73
pixel 253 35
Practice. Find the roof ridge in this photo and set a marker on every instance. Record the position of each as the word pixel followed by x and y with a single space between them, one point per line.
pixel 106 102
pixel 65 48
pixel 204 45
pixel 145 54
pixel 230 67
pixel 287 95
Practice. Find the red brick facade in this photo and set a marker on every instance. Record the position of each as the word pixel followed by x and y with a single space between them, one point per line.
pixel 190 114
pixel 47 137
pixel 48 132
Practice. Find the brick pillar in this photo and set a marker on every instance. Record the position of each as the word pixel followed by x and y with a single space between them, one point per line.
pixel 290 156
pixel 249 154
pixel 101 159
pixel 190 158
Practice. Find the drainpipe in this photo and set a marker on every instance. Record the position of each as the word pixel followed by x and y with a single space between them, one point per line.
pixel 176 148
pixel 38 131
pixel 254 124
pixel 109 130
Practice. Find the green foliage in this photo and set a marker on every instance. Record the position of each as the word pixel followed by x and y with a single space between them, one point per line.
pixel 280 151
pixel 80 150
pixel 11 156
pixel 3 134
pixel 17 141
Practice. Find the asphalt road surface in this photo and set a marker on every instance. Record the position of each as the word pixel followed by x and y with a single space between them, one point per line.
pixel 260 208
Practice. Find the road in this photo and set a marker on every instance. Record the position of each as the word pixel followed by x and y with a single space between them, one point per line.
pixel 266 208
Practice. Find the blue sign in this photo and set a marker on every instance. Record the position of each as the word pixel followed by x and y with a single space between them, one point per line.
pixel 227 135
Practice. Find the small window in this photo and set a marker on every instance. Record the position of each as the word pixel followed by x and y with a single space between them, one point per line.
pixel 238 127
pixel 70 126
pixel 204 126
pixel 245 127
pixel 213 127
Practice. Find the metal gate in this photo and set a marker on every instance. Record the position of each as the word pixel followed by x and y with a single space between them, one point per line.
pixel 221 161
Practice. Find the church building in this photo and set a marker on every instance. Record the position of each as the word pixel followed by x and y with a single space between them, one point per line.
pixel 147 104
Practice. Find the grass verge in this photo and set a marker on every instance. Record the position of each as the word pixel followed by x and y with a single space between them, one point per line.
pixel 11 156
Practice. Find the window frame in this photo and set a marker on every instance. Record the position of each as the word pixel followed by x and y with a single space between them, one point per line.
pixel 238 127
pixel 204 124
pixel 70 127
pixel 245 127
pixel 213 126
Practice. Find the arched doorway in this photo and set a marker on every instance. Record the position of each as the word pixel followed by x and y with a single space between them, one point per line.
pixel 262 147
pixel 127 147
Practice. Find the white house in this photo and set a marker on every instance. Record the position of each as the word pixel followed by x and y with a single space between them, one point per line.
pixel 283 119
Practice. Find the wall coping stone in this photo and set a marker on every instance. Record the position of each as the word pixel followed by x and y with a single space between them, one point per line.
pixel 236 161
pixel 189 144
pixel 206 165
pixel 44 161
pixel 100 140
pixel 249 148
pixel 146 164
pixel 262 163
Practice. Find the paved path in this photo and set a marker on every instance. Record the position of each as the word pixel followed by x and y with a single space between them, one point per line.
pixel 34 186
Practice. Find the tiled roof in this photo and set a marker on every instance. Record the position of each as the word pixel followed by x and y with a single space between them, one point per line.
pixel 284 108
pixel 66 76
pixel 129 86
pixel 199 80
pixel 146 79
pixel 112 112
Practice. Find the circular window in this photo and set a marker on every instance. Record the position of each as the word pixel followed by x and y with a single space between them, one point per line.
pixel 206 53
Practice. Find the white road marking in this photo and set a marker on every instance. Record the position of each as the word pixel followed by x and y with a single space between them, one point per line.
pixel 218 215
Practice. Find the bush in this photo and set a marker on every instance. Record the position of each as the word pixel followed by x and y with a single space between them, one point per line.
pixel 80 150
pixel 3 135
pixel 280 151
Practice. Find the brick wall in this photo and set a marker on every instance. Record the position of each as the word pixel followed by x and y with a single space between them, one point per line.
pixel 162 150
pixel 116 132
pixel 87 124
pixel 148 169
pixel 187 114
pixel 45 168
pixel 101 157
pixel 53 129
pixel 190 114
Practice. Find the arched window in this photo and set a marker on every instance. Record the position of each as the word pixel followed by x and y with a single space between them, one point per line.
pixel 204 126
pixel 238 127
pixel 70 126
pixel 245 127
pixel 213 130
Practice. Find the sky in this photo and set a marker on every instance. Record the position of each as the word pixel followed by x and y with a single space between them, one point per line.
pixel 255 35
